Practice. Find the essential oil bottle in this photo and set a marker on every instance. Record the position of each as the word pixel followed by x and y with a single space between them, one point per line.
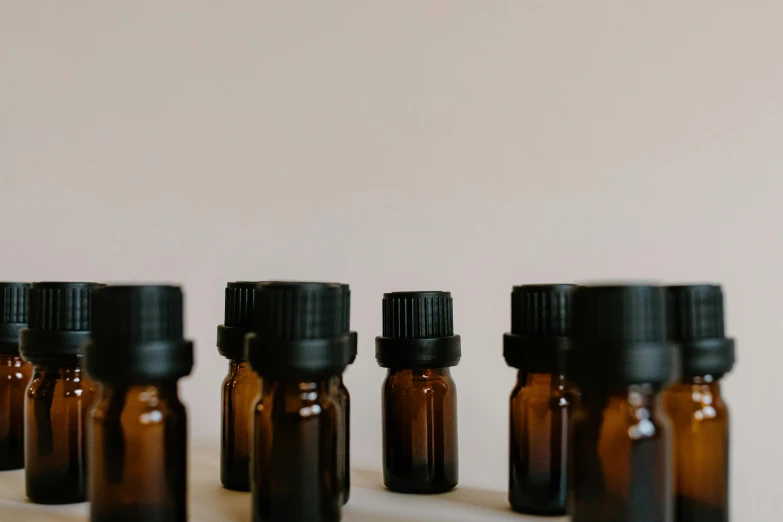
pixel 300 342
pixel 621 448
pixel 542 400
pixel 58 396
pixel 419 400
pixel 240 387
pixel 700 417
pixel 138 426
pixel 14 374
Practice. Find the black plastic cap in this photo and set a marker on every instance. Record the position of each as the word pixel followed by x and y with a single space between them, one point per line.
pixel 59 322
pixel 300 330
pixel 541 327
pixel 239 317
pixel 14 315
pixel 696 325
pixel 137 335
pixel 620 337
pixel 418 331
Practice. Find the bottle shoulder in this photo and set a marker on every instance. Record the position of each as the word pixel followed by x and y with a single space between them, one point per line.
pixel 695 403
pixel 138 405
pixel 419 381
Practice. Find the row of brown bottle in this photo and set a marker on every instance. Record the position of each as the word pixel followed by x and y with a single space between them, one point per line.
pixel 617 414
pixel 621 357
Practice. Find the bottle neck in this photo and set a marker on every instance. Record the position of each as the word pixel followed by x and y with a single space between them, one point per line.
pixel 150 394
pixel 67 371
pixel 303 387
pixel 636 395
pixel 240 369
pixel 423 373
pixel 699 386
pixel 540 380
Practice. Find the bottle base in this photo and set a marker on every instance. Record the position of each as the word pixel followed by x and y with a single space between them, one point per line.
pixel 538 511
pixel 241 487
pixel 11 465
pixel 419 489
pixel 139 514
pixel 55 500
pixel 54 492
pixel 235 474
pixel 692 510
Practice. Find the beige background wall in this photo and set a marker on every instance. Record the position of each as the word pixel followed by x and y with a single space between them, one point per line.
pixel 460 145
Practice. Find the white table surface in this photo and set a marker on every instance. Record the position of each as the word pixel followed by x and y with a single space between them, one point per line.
pixel 209 502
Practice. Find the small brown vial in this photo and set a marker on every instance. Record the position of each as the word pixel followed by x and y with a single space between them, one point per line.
pixel 621 467
pixel 138 437
pixel 240 387
pixel 240 392
pixel 621 452
pixel 541 406
pixel 138 460
pixel 14 374
pixel 300 346
pixel 420 431
pixel 700 417
pixel 542 400
pixel 58 396
pixel 418 346
pixel 295 469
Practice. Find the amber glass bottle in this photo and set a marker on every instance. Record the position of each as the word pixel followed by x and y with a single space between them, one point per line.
pixel 58 396
pixel 240 387
pixel 138 427
pixel 542 400
pixel 300 343
pixel 700 417
pixel 621 450
pixel 14 374
pixel 419 398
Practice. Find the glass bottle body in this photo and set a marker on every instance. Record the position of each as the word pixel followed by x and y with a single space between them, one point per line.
pixel 295 472
pixel 540 408
pixel 138 450
pixel 343 434
pixel 700 424
pixel 621 457
pixel 420 453
pixel 15 375
pixel 57 401
pixel 240 391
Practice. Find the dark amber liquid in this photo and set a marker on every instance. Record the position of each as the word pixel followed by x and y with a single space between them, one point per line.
pixel 540 409
pixel 14 378
pixel 138 449
pixel 296 477
pixel 240 391
pixel 700 423
pixel 343 435
pixel 621 460
pixel 56 406
pixel 420 431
